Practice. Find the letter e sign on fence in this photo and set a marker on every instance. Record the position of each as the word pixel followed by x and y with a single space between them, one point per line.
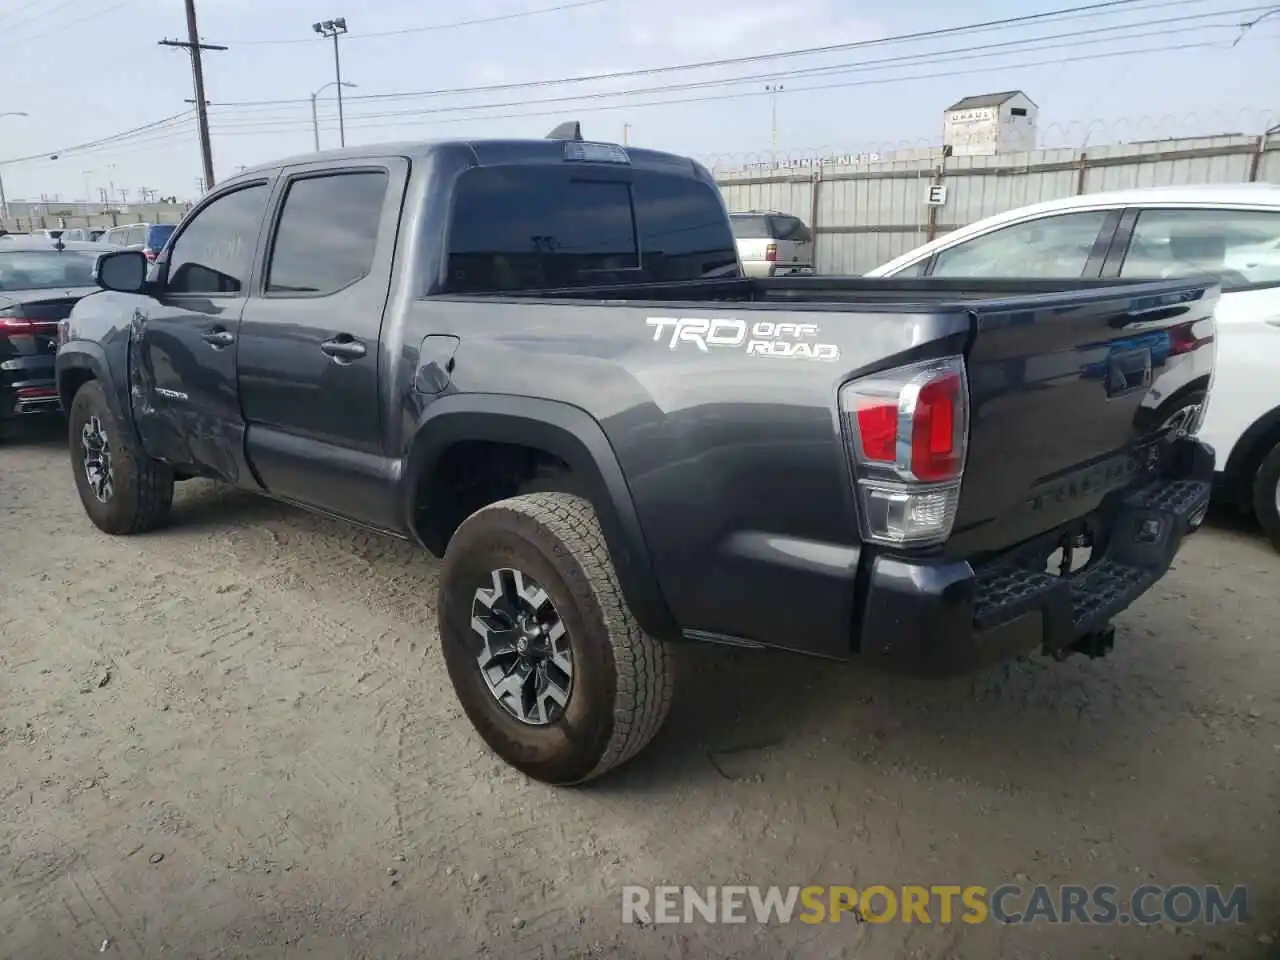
pixel 936 196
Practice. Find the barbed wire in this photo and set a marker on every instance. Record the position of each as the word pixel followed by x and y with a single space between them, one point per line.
pixel 1073 135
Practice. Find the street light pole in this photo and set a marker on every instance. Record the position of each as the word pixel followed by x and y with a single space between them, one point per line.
pixel 315 122
pixel 4 203
pixel 335 28
pixel 774 89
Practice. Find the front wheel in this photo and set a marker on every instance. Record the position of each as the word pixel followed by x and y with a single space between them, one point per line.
pixel 1266 495
pixel 550 666
pixel 122 489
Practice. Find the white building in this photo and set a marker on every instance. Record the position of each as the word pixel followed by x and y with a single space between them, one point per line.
pixel 992 123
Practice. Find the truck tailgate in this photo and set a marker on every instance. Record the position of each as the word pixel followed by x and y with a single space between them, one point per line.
pixel 1070 392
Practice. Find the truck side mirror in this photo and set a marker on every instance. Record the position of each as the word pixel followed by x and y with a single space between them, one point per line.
pixel 124 271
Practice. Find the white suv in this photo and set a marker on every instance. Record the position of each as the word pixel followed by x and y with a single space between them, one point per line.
pixel 772 244
pixel 1229 230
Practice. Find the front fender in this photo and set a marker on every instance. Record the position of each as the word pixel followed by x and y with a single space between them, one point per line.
pixel 79 361
pixel 573 436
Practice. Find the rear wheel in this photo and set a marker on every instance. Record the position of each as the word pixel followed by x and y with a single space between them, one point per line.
pixel 1266 495
pixel 122 489
pixel 1186 415
pixel 549 664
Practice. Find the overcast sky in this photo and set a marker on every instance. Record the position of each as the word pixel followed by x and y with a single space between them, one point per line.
pixel 85 70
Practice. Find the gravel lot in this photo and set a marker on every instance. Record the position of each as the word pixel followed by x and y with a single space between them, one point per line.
pixel 235 738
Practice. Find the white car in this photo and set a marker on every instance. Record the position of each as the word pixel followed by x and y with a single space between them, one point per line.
pixel 1229 230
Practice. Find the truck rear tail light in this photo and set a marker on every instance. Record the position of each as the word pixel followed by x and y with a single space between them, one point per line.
pixel 1183 339
pixel 771 252
pixel 907 431
pixel 12 319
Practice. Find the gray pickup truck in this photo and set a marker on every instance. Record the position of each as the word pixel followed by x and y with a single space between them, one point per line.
pixel 540 360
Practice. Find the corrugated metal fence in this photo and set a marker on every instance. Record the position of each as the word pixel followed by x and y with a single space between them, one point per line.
pixel 866 214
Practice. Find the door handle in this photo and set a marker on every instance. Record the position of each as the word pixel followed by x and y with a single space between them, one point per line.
pixel 343 348
pixel 219 338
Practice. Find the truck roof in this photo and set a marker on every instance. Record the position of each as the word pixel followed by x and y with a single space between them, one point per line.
pixel 485 151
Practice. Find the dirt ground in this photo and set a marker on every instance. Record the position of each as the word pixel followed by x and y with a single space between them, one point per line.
pixel 235 738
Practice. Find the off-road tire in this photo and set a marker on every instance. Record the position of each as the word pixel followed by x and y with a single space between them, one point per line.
pixel 142 488
pixel 622 679
pixel 1266 479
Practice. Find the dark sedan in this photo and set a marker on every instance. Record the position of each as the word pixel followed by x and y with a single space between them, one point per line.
pixel 40 280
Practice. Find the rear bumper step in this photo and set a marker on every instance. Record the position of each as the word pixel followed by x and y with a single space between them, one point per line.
pixel 948 616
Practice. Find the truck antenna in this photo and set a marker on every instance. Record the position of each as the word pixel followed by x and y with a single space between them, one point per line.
pixel 569 130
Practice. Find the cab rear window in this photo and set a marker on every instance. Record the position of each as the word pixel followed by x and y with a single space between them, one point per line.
pixel 542 228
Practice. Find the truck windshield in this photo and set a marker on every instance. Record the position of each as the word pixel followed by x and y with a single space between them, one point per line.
pixel 529 228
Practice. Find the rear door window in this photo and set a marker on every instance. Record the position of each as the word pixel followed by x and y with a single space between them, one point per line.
pixel 1239 247
pixel 751 228
pixel 534 228
pixel 1054 247
pixel 328 233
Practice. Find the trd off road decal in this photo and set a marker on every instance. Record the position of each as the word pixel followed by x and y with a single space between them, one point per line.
pixel 764 338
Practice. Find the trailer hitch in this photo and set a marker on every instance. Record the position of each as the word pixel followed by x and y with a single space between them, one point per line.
pixel 1093 645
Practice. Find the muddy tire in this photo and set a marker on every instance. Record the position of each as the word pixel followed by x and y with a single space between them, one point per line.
pixel 122 490
pixel 550 666
pixel 1266 495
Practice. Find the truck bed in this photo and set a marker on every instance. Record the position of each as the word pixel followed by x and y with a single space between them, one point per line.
pixel 854 291
pixel 1069 382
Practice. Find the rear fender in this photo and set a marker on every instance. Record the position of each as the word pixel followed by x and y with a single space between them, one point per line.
pixel 573 436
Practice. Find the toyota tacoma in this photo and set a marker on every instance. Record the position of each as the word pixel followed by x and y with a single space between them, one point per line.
pixel 541 361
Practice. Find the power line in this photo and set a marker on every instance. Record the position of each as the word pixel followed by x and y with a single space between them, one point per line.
pixel 43 11
pixel 524 114
pixel 431 28
pixel 87 145
pixel 79 20
pixel 954 54
pixel 169 127
pixel 1004 23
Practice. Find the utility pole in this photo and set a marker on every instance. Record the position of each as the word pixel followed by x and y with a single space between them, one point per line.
pixel 334 28
pixel 4 203
pixel 195 48
pixel 774 89
pixel 200 185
